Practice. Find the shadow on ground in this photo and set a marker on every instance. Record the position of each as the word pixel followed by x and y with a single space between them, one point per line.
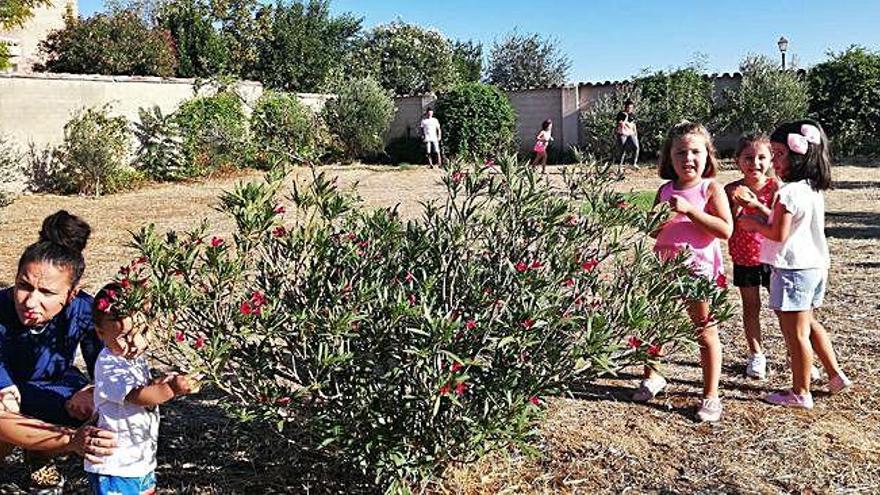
pixel 853 225
pixel 203 450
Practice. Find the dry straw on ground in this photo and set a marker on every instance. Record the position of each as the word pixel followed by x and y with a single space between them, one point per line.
pixel 593 442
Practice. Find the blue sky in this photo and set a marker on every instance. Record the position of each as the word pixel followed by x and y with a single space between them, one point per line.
pixel 614 39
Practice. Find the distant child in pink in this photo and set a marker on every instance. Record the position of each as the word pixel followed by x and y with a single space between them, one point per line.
pixel 702 217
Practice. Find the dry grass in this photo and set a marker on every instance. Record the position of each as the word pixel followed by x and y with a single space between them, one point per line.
pixel 593 442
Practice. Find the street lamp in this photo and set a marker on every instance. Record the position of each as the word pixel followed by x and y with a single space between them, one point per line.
pixel 783 47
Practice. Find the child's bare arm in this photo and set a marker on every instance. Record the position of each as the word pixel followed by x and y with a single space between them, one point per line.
pixel 162 390
pixel 716 219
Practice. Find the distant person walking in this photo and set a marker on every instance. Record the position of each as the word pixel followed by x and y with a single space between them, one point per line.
pixel 542 140
pixel 431 133
pixel 627 135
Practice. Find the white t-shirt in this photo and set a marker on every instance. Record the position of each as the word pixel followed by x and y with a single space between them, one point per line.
pixel 806 246
pixel 430 129
pixel 136 427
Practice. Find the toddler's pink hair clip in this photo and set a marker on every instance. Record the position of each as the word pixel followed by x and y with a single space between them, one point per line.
pixel 799 143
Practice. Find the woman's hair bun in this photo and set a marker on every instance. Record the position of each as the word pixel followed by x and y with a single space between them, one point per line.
pixel 66 230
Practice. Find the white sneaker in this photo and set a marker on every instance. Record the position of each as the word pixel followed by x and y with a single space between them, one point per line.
pixel 710 410
pixel 649 388
pixel 839 383
pixel 756 366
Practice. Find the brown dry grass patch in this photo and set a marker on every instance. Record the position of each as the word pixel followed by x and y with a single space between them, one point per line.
pixel 593 442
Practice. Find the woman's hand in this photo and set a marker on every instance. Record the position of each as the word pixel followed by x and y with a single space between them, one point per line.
pixel 81 405
pixel 183 385
pixel 92 443
pixel 10 400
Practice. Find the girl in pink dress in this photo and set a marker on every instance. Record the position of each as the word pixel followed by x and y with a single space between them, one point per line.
pixel 702 217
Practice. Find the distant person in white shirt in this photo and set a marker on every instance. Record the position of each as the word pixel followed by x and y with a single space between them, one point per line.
pixel 431 133
pixel 126 401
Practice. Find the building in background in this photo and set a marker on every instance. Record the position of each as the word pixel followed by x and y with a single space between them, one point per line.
pixel 24 42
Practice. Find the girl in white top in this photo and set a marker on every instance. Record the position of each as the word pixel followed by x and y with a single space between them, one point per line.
pixel 794 246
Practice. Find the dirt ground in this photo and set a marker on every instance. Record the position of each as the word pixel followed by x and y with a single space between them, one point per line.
pixel 594 442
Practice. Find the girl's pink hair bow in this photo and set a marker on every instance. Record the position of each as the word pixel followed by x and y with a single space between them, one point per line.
pixel 799 143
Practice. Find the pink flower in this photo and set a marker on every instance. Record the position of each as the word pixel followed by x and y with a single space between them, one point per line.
pixel 489 163
pixel 654 350
pixel 216 242
pixel 461 388
pixel 721 281
pixel 634 342
pixel 279 210
pixel 623 204
pixel 571 221
pixel 569 282
pixel 111 294
pixel 444 389
pixel 528 323
pixel 409 277
pixel 590 264
pixel 457 176
pixel 536 265
pixel 124 270
pixel 246 308
pixel 279 231
pixel 412 299
pixel 535 400
pixel 470 324
pixel 521 266
pixel 200 342
pixel 283 401
pixel 455 367
pixel 351 236
pixel 258 299
pixel 102 305
pixel 179 336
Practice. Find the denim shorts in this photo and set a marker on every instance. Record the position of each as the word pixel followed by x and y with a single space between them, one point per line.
pixel 797 290
pixel 102 484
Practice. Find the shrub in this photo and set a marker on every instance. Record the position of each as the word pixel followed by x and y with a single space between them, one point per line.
pixel 405 59
pixel 845 100
pixel 160 152
pixel 765 98
pixel 215 132
pixel 667 98
pixel 599 120
pixel 10 166
pixel 521 61
pixel 115 43
pixel 359 117
pixel 285 131
pixel 399 347
pixel 405 149
pixel 478 121
pixel 92 158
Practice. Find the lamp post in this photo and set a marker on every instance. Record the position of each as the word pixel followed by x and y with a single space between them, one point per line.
pixel 783 47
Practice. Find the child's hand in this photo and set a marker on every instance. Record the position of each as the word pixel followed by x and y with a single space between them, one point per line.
pixel 745 196
pixel 182 384
pixel 680 205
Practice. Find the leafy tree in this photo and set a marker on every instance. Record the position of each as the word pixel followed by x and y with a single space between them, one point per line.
pixel 116 43
pixel 285 131
pixel 201 50
pixel 845 98
pixel 766 97
pixel 359 118
pixel 242 24
pixel 666 98
pixel 406 59
pixel 478 121
pixel 520 61
pixel 304 46
pixel 14 13
pixel 468 59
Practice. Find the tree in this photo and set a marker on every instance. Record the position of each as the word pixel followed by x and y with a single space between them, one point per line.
pixel 668 97
pixel 406 59
pixel 359 117
pixel 845 98
pixel 116 43
pixel 468 59
pixel 522 61
pixel 304 46
pixel 478 121
pixel 14 13
pixel 200 49
pixel 766 97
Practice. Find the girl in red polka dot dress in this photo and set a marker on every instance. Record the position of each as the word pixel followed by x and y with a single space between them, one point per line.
pixel 751 196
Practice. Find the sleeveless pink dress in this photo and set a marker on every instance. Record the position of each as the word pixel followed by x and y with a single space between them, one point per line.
pixel 683 234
